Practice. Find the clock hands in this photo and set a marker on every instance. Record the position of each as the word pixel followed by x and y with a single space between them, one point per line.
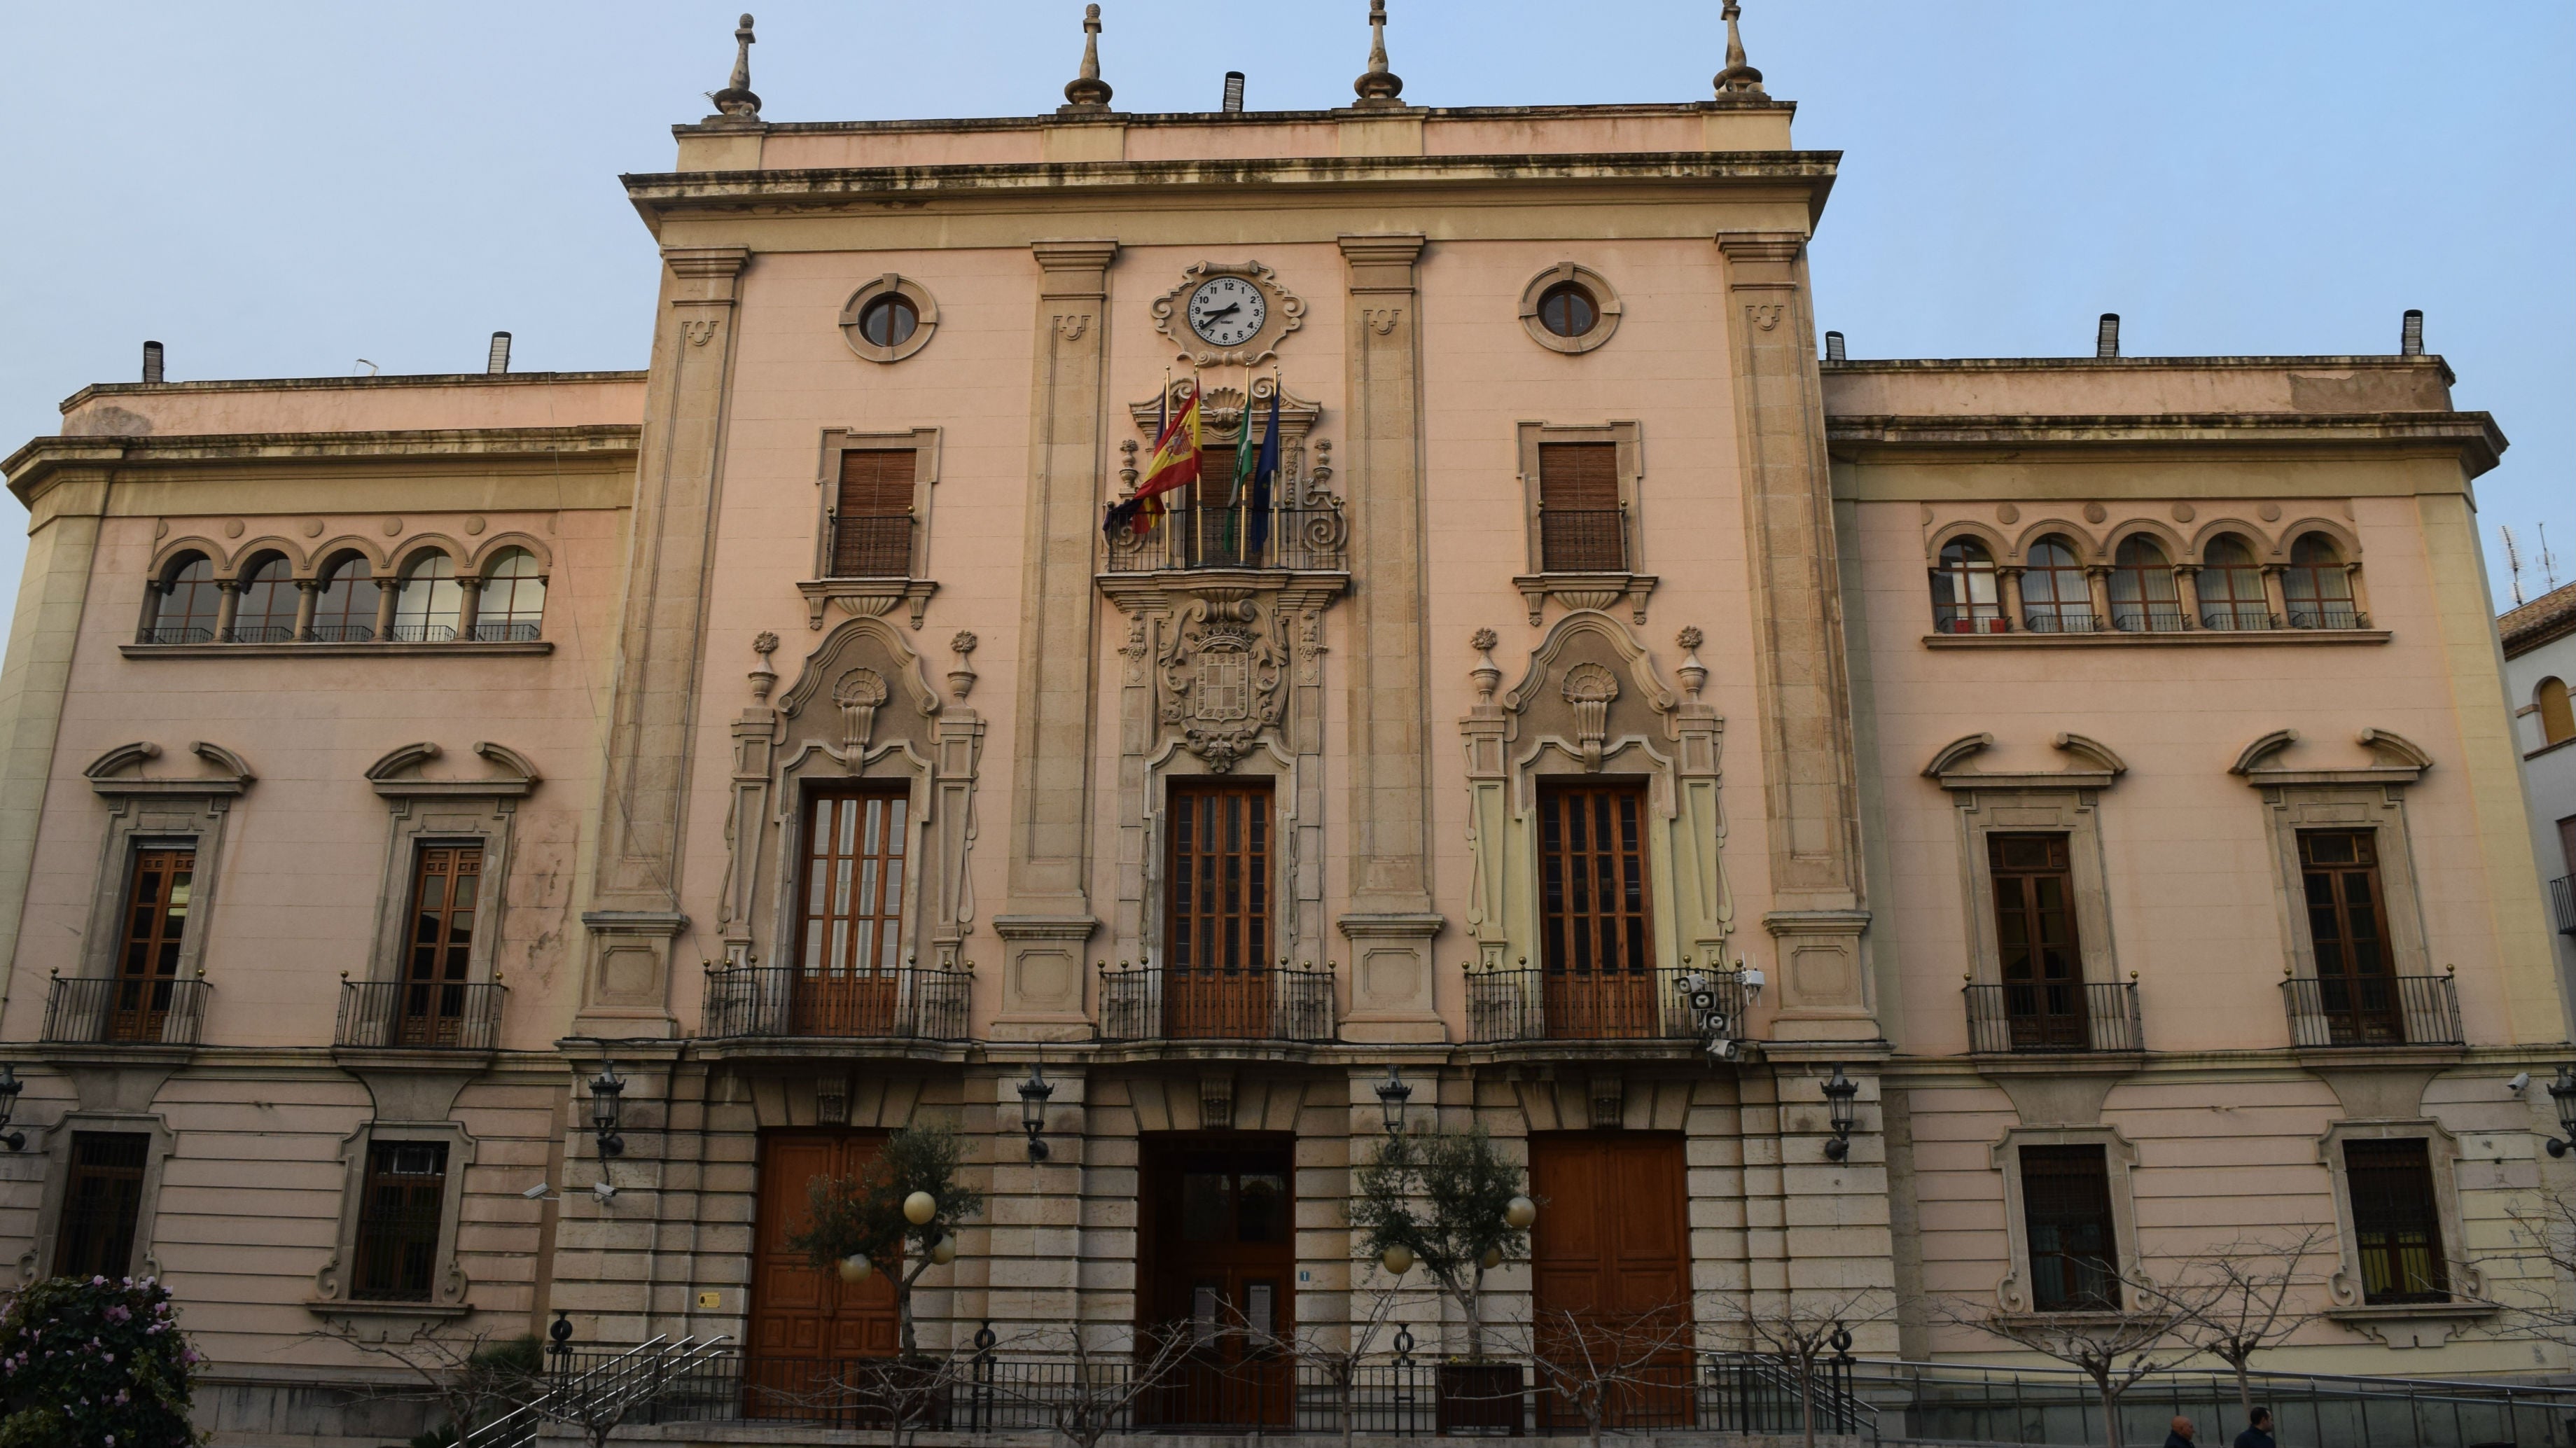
pixel 1228 310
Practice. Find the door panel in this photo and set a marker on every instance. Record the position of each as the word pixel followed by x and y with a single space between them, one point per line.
pixel 796 1311
pixel 1217 1250
pixel 1611 1247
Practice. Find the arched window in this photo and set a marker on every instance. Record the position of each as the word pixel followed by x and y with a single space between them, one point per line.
pixel 429 602
pixel 2054 597
pixel 2143 598
pixel 2557 719
pixel 266 612
pixel 1963 590
pixel 514 600
pixel 188 605
pixel 345 610
pixel 2231 586
pixel 2317 586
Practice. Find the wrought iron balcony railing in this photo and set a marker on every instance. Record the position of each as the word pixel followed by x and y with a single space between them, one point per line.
pixel 2562 903
pixel 1305 540
pixel 872 547
pixel 2373 1010
pixel 1532 1004
pixel 175 634
pixel 916 1003
pixel 2149 618
pixel 2054 1016
pixel 2237 617
pixel 2061 620
pixel 1265 1003
pixel 2327 616
pixel 137 1010
pixel 1583 540
pixel 421 1015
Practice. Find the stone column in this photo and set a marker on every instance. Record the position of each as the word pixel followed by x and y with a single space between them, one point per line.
pixel 2008 590
pixel 227 608
pixel 1810 794
pixel 2097 579
pixel 308 592
pixel 1391 923
pixel 388 594
pixel 469 607
pixel 1047 917
pixel 2275 596
pixel 634 912
pixel 2187 592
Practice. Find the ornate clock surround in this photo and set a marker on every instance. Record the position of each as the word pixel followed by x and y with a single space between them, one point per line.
pixel 1287 314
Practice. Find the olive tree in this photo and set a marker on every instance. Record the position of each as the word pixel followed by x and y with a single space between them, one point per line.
pixel 1449 1201
pixel 897 1215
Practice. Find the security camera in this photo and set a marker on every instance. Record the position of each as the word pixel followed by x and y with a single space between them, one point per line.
pixel 2520 1080
pixel 603 1191
pixel 537 1193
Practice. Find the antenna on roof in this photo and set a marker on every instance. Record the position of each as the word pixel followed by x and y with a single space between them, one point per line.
pixel 2548 562
pixel 2512 561
pixel 372 369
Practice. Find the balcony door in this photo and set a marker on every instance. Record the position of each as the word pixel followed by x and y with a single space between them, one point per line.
pixel 804 1320
pixel 2356 990
pixel 1218 1261
pixel 1610 1267
pixel 1217 981
pixel 2042 967
pixel 147 962
pixel 1597 952
pixel 445 881
pixel 851 907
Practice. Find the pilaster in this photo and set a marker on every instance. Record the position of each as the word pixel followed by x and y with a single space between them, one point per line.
pixel 44 631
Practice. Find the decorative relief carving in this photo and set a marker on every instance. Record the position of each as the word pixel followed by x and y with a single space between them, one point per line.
pixel 763 677
pixel 1765 315
pixel 1382 320
pixel 1222 673
pixel 961 679
pixel 858 695
pixel 1071 327
pixel 1590 688
pixel 698 333
pixel 1286 314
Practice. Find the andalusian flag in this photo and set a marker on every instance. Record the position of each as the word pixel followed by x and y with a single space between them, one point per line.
pixel 1175 464
pixel 1264 468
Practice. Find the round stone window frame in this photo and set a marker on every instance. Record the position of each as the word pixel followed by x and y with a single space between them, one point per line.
pixel 925 313
pixel 1605 299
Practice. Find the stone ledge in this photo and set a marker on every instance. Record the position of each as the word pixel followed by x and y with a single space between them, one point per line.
pixel 532 648
pixel 2197 638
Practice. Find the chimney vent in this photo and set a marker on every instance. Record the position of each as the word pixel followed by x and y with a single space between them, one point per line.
pixel 151 361
pixel 1234 92
pixel 2410 337
pixel 2106 337
pixel 499 361
pixel 1833 346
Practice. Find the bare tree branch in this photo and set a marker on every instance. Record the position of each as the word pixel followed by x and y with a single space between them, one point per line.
pixel 2115 1348
pixel 1607 1365
pixel 1799 1326
pixel 2241 1297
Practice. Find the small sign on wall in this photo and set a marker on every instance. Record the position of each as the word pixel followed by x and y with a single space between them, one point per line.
pixel 710 1301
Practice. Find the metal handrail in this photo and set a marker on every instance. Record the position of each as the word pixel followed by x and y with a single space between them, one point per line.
pixel 1280 1002
pixel 2373 1010
pixel 637 1373
pixel 908 1003
pixel 1213 535
pixel 133 1010
pixel 421 1014
pixel 2013 1017
pixel 1529 1003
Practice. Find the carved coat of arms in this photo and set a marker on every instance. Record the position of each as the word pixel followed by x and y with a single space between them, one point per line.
pixel 1221 678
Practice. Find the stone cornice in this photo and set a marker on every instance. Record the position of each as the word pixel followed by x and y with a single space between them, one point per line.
pixel 2380 361
pixel 32 466
pixel 1231 119
pixel 2474 436
pixel 340 384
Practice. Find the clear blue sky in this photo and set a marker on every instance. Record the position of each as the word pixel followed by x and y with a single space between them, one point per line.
pixel 280 190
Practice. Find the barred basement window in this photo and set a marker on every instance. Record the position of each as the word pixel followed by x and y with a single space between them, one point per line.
pixel 102 1199
pixel 2066 1207
pixel 2396 1228
pixel 405 1196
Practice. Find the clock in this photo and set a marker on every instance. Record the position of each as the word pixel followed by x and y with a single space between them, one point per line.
pixel 1227 311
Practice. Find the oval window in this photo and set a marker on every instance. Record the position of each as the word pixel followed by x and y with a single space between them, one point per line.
pixel 1568 309
pixel 889 320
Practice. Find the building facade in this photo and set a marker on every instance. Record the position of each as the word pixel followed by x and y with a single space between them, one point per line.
pixel 2101 763
pixel 2539 658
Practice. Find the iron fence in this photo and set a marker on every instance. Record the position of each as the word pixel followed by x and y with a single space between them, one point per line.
pixel 261 634
pixel 341 633
pixel 1308 539
pixel 421 1014
pixel 175 634
pixel 921 1003
pixel 2054 1015
pixel 504 631
pixel 421 633
pixel 1667 1003
pixel 2373 1010
pixel 125 1009
pixel 2238 616
pixel 1262 1003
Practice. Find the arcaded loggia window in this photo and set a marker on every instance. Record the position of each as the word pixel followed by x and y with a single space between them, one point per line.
pixel 188 606
pixel 1581 529
pixel 514 600
pixel 2348 925
pixel 2317 585
pixel 2054 596
pixel 2043 972
pixel 437 966
pixel 2397 1228
pixel 405 1196
pixel 1595 915
pixel 265 613
pixel 872 513
pixel 1216 918
pixel 2143 596
pixel 2066 1211
pixel 429 602
pixel 1963 590
pixel 852 939
pixel 147 963
pixel 102 1201
pixel 2231 586
pixel 344 612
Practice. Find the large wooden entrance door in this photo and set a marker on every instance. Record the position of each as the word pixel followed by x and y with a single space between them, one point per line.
pixel 1218 1259
pixel 1610 1260
pixel 804 1321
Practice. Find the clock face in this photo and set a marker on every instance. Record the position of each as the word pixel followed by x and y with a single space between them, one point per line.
pixel 1227 311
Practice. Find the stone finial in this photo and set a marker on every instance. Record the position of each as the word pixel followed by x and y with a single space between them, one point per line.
pixel 763 677
pixel 736 101
pixel 1379 88
pixel 1087 91
pixel 1694 674
pixel 1487 676
pixel 1738 80
pixel 961 679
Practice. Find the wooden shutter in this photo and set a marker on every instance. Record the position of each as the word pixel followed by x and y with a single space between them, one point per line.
pixel 852 941
pixel 2397 1229
pixel 1580 528
pixel 872 515
pixel 2066 1211
pixel 1595 921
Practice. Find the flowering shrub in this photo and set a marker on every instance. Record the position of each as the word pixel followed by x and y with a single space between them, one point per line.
pixel 93 1362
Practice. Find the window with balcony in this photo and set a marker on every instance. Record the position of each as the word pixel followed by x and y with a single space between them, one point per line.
pixel 2043 970
pixel 2143 596
pixel 1582 527
pixel 2357 992
pixel 264 613
pixel 1964 599
pixel 512 606
pixel 437 976
pixel 147 967
pixel 850 951
pixel 344 609
pixel 2231 586
pixel 2054 595
pixel 186 605
pixel 872 514
pixel 429 602
pixel 1216 917
pixel 2397 1226
pixel 401 1210
pixel 2318 585
pixel 102 1204
pixel 1596 926
pixel 2068 1226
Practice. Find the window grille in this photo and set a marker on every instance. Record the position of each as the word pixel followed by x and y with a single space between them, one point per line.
pixel 403 1205
pixel 2066 1207
pixel 102 1201
pixel 2397 1230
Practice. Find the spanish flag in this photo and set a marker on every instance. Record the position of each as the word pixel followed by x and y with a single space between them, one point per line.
pixel 1175 464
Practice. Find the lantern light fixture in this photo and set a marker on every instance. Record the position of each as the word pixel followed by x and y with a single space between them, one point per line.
pixel 1033 1102
pixel 1519 1212
pixel 1392 1095
pixel 10 1086
pixel 607 1091
pixel 1396 1260
pixel 2561 1091
pixel 1838 1107
pixel 919 1208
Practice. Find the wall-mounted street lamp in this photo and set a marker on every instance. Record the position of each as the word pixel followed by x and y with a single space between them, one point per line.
pixel 10 1086
pixel 1838 1108
pixel 2561 1091
pixel 1392 1094
pixel 1033 1102
pixel 607 1090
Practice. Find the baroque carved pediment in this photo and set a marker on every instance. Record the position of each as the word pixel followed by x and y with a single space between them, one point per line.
pixel 862 687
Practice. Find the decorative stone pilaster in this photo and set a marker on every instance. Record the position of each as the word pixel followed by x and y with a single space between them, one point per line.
pixel 1810 796
pixel 635 890
pixel 1048 912
pixel 1392 923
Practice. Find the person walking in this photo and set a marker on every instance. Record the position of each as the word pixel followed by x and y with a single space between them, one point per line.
pixel 2258 1434
pixel 2183 1435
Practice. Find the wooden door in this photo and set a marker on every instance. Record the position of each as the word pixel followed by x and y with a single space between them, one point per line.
pixel 1610 1260
pixel 2043 967
pixel 805 1321
pixel 851 944
pixel 445 881
pixel 1597 947
pixel 156 921
pixel 1219 1262
pixel 1216 919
